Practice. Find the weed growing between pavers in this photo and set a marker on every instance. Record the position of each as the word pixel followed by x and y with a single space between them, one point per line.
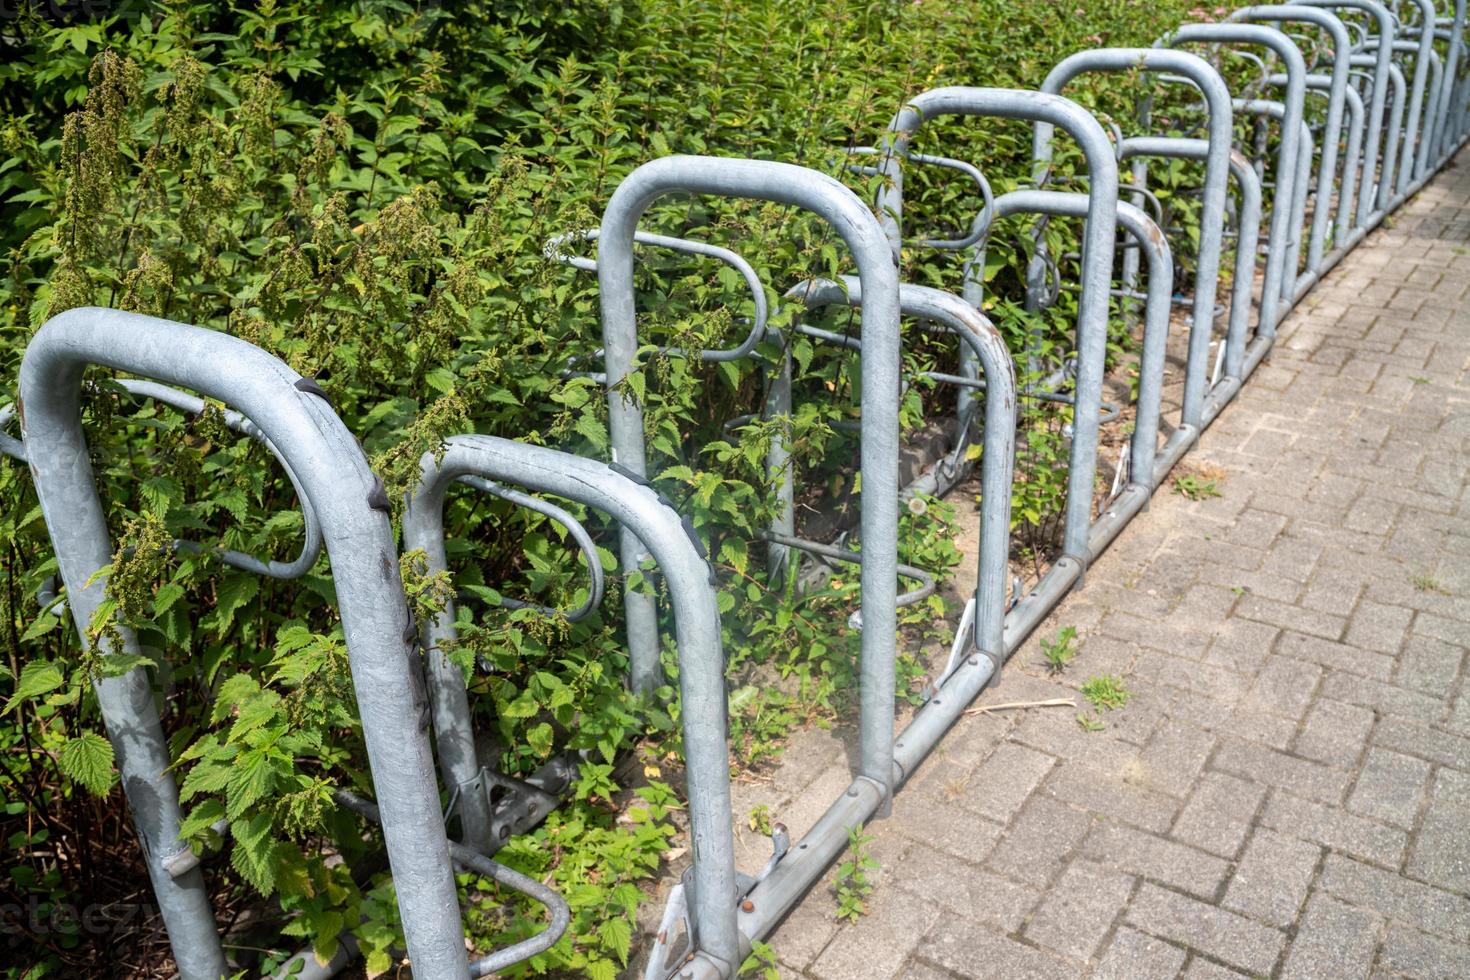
pixel 852 884
pixel 1060 652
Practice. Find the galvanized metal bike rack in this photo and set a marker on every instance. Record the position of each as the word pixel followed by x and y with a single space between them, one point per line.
pixel 1284 237
pixel 719 938
pixel 192 405
pixel 351 509
pixel 660 531
pixel 1397 134
pixel 1212 219
pixel 1092 315
pixel 986 609
pixel 1327 167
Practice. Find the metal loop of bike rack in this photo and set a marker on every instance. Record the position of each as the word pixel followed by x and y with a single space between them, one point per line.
pixel 574 527
pixel 192 405
pixel 348 502
pixel 1387 130
pixel 646 514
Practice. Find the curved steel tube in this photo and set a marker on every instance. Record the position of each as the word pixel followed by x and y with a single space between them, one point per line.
pixel 348 500
pixel 1387 26
pixel 1097 254
pixel 788 184
pixel 574 528
pixel 642 512
pixel 561 913
pixel 1157 304
pixel 1327 167
pixel 1195 69
pixel 311 548
pixel 687 246
pixel 1284 242
pixel 997 461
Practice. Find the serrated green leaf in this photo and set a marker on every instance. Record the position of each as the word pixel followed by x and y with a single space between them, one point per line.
pixel 233 593
pixel 251 777
pixel 118 664
pixel 617 936
pixel 254 852
pixel 200 818
pixel 87 759
pixel 36 678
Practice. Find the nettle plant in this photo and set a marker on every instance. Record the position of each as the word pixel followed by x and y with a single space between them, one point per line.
pixel 364 189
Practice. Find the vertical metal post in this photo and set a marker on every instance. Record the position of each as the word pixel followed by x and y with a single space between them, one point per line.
pixel 1278 275
pixel 345 496
pixel 1097 254
pixel 1327 169
pixel 1217 167
pixel 855 223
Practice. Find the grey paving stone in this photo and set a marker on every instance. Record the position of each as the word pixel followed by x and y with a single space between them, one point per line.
pixel 1221 934
pixel 806 931
pixel 1133 955
pixel 1241 645
pixel 1378 627
pixel 1078 911
pixel 1004 781
pixel 1452 786
pixel 1390 787
pixel 1271 879
pixel 1336 828
pixel 972 950
pixel 1219 815
pixel 1407 952
pixel 1090 790
pixel 1335 656
pixel 1334 733
pixel 1148 856
pixel 1039 841
pixel 1334 940
pixel 916 969
pixel 1283 686
pixel 1423 906
pixel 1441 853
pixel 879 943
pixel 1255 725
pixel 1203 969
pixel 1404 736
pixel 1173 757
pixel 964 889
pixel 1428 665
pixel 1274 768
pixel 1386 699
pixel 943 826
pixel 1213 682
pixel 1328 626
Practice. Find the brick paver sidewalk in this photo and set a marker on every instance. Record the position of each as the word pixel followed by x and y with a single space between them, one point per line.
pixel 1287 793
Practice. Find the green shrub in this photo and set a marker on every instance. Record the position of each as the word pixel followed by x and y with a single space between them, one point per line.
pixel 364 189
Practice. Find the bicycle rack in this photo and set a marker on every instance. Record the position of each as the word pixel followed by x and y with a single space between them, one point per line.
pixel 986 609
pixel 1217 168
pixel 1283 237
pixel 784 523
pixel 344 506
pixel 818 193
pixel 349 505
pixel 191 405
pixel 1097 259
pixel 658 528
pixel 1327 167
pixel 1146 459
pixel 978 652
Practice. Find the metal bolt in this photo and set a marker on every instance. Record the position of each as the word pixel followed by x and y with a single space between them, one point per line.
pixel 747 906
